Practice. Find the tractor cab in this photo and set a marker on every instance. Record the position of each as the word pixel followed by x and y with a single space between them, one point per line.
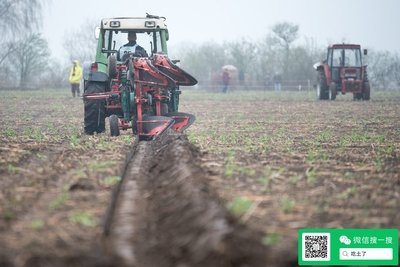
pixel 151 34
pixel 345 61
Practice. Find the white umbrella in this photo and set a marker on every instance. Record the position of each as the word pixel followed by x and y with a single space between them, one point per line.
pixel 229 67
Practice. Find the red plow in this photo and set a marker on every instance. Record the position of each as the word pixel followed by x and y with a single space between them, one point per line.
pixel 144 96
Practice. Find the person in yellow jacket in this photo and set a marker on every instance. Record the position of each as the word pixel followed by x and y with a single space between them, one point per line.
pixel 75 76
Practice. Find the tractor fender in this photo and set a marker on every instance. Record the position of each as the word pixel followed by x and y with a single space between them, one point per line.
pixel 318 65
pixel 92 76
pixel 86 69
pixel 97 76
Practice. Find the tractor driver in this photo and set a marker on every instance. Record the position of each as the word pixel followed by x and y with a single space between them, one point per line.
pixel 131 47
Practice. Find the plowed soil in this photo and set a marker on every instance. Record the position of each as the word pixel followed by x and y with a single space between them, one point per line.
pixel 277 162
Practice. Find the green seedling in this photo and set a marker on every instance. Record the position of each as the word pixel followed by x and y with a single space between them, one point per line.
pixel 97 165
pixel 37 225
pixel 12 169
pixel 271 239
pixel 287 204
pixel 112 180
pixel 74 140
pixel 239 206
pixel 59 202
pixel 9 215
pixel 42 157
pixel 84 219
pixel 311 176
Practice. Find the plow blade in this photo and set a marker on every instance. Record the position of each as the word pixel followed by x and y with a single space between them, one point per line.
pixel 181 120
pixel 165 65
pixel 154 125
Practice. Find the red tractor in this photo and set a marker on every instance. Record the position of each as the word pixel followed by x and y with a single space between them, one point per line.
pixel 342 71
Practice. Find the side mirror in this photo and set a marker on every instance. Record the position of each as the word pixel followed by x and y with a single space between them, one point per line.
pixel 365 52
pixel 97 33
pixel 166 34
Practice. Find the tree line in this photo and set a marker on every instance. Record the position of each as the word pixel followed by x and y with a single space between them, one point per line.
pixel 26 61
pixel 279 51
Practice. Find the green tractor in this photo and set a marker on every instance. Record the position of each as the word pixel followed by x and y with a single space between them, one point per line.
pixel 134 90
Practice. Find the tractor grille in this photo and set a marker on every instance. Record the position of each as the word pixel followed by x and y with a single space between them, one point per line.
pixel 352 87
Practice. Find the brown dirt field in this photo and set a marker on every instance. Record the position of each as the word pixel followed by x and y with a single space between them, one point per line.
pixel 297 163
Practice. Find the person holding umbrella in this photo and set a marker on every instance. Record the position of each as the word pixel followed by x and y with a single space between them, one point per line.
pixel 225 80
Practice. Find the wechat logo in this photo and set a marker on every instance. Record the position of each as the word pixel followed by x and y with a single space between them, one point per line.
pixel 344 239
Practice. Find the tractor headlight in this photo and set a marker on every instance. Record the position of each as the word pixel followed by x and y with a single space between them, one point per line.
pixel 150 24
pixel 114 24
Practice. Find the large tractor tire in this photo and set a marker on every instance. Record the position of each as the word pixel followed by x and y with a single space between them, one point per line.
pixel 114 125
pixel 332 91
pixel 357 97
pixel 321 86
pixel 366 91
pixel 95 110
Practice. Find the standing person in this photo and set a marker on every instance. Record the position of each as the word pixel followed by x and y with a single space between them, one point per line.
pixel 131 47
pixel 225 80
pixel 75 76
pixel 277 80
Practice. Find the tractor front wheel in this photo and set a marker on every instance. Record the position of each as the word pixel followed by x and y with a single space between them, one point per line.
pixel 357 97
pixel 321 86
pixel 366 91
pixel 332 91
pixel 114 125
pixel 95 110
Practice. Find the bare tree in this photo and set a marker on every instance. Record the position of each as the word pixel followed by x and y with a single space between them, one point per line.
pixel 379 69
pixel 204 60
pixel 80 43
pixel 31 59
pixel 242 55
pixel 17 18
pixel 395 67
pixel 286 33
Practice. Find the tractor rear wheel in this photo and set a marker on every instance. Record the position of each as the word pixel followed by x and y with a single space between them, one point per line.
pixel 321 86
pixel 332 91
pixel 95 110
pixel 114 125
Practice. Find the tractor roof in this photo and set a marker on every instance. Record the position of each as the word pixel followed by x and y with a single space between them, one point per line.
pixel 342 46
pixel 133 23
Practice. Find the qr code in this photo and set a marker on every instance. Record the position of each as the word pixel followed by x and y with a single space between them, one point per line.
pixel 315 246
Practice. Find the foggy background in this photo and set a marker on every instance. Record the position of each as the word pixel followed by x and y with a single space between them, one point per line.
pixel 374 24
pixel 208 34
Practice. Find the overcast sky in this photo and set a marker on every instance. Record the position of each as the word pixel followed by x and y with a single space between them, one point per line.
pixel 371 23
